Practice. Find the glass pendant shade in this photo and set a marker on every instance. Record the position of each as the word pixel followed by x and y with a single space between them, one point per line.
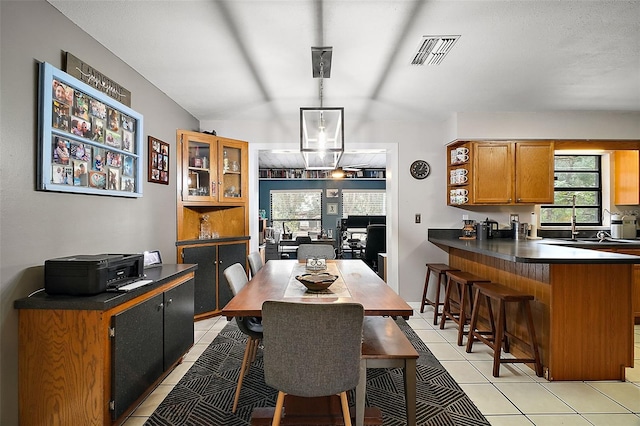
pixel 321 137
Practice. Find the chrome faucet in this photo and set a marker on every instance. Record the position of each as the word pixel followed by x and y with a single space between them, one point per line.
pixel 574 233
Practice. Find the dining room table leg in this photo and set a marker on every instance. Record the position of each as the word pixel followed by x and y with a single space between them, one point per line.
pixel 410 393
pixel 361 392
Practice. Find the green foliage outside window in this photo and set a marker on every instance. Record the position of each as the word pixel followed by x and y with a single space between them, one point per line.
pixel 577 175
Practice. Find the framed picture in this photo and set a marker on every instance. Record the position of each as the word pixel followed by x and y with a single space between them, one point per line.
pixel 333 193
pixel 88 142
pixel 332 208
pixel 158 161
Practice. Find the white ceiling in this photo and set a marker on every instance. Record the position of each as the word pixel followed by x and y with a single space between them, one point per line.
pixel 251 60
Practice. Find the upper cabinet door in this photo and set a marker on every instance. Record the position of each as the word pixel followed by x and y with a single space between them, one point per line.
pixel 492 172
pixel 199 168
pixel 534 172
pixel 232 166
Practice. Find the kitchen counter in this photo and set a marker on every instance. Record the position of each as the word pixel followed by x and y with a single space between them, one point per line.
pixel 582 297
pixel 537 251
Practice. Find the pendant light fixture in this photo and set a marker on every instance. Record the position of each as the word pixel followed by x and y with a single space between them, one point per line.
pixel 321 129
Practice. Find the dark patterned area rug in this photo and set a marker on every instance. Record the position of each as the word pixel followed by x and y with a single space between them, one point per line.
pixel 205 394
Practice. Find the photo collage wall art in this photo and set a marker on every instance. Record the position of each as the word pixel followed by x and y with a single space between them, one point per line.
pixel 94 145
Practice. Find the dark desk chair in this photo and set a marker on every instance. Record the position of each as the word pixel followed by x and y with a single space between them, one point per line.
pixel 303 240
pixel 376 243
pixel 312 350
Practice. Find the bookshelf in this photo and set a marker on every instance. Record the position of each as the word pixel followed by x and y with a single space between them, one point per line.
pixel 320 174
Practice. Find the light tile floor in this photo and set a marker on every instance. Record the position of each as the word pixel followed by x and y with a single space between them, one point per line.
pixel 517 397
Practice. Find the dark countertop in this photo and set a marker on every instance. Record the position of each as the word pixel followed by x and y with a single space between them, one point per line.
pixel 531 251
pixel 104 301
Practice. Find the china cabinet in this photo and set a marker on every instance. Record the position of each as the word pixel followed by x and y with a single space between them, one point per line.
pixel 213 169
pixel 212 212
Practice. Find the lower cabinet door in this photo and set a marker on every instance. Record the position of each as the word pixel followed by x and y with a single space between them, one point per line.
pixel 228 254
pixel 178 322
pixel 205 294
pixel 136 352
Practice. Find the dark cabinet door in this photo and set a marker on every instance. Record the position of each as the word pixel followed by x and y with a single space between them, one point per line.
pixel 205 294
pixel 137 352
pixel 178 322
pixel 229 254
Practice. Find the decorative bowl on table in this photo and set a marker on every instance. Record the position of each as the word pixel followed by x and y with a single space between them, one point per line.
pixel 317 282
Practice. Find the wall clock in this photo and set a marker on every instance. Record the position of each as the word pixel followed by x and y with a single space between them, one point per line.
pixel 420 169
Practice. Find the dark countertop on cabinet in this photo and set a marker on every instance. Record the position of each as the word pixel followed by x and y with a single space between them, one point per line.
pixel 528 251
pixel 107 300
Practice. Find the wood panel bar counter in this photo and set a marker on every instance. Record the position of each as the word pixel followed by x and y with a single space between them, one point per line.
pixel 582 308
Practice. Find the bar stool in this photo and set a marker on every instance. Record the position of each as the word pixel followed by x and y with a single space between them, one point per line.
pixel 441 269
pixel 499 335
pixel 462 282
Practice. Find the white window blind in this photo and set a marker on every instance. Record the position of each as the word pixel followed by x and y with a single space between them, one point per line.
pixel 364 202
pixel 297 210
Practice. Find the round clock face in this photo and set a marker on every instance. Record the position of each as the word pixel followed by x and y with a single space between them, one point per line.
pixel 420 169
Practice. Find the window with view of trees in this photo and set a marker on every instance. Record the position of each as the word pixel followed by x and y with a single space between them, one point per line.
pixel 297 210
pixel 578 175
pixel 364 202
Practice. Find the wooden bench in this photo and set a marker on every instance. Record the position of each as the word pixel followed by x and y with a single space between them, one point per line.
pixel 384 345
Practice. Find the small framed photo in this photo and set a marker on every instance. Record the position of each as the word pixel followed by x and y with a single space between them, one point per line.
pixel 333 193
pixel 152 259
pixel 332 208
pixel 158 166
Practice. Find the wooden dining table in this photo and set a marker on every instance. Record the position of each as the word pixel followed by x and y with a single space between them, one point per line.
pixel 356 282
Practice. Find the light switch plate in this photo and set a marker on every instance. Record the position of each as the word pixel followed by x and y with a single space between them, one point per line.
pixel 418 217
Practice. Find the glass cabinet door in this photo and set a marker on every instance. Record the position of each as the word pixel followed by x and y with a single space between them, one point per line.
pixel 232 185
pixel 200 177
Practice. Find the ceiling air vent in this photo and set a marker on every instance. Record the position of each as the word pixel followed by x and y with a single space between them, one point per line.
pixel 433 49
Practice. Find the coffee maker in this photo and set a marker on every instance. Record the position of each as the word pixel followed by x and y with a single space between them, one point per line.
pixel 487 229
pixel 469 230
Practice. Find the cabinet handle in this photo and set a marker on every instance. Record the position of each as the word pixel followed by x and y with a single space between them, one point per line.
pixel 169 302
pixel 509 199
pixel 160 306
pixel 519 200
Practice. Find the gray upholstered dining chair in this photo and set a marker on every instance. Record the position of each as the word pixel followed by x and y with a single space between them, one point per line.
pixel 251 326
pixel 306 251
pixel 312 350
pixel 255 262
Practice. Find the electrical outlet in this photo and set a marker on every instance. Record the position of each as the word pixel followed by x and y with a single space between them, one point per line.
pixel 418 217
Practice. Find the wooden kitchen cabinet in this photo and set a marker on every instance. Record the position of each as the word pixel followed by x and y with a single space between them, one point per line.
pixel 493 173
pixel 90 360
pixel 212 187
pixel 627 178
pixel 504 173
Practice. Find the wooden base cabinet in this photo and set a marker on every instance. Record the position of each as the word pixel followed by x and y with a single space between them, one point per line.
pixel 211 290
pixel 92 366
